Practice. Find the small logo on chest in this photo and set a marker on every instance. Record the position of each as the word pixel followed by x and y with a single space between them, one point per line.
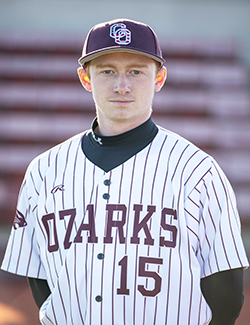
pixel 57 188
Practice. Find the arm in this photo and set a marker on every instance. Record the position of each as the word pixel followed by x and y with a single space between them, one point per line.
pixel 223 292
pixel 40 290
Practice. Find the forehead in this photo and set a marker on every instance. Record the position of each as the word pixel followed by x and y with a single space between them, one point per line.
pixel 122 59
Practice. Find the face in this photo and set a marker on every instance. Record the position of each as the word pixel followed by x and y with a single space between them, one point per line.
pixel 123 86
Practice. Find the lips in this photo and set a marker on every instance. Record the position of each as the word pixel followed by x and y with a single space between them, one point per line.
pixel 121 101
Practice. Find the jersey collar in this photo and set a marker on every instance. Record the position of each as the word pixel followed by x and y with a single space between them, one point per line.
pixel 138 135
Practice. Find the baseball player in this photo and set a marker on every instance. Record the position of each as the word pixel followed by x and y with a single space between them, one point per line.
pixel 127 223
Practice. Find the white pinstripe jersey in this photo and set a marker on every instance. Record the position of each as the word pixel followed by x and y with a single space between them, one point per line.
pixel 127 246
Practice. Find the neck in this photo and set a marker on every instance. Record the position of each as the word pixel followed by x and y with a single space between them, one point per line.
pixel 111 128
pixel 100 149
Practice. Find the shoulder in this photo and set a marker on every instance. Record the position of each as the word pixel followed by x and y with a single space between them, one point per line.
pixel 182 148
pixel 187 162
pixel 39 165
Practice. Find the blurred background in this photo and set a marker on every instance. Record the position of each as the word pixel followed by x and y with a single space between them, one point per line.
pixel 206 98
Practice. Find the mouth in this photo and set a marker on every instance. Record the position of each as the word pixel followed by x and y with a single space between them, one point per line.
pixel 121 101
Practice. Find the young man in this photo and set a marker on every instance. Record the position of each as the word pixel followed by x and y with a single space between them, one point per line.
pixel 128 223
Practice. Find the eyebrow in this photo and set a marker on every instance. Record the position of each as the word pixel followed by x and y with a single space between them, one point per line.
pixel 110 65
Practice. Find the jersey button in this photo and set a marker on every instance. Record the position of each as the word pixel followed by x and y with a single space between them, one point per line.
pixel 98 298
pixel 100 256
pixel 106 196
pixel 107 182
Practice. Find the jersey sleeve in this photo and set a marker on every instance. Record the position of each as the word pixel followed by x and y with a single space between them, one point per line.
pixel 219 244
pixel 22 253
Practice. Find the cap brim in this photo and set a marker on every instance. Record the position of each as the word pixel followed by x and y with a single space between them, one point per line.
pixel 84 59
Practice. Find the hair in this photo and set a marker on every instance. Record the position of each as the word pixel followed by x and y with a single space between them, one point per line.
pixel 86 68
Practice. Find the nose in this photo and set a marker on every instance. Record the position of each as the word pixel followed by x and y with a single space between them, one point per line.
pixel 122 85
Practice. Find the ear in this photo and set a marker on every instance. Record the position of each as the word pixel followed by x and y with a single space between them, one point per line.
pixel 160 78
pixel 84 78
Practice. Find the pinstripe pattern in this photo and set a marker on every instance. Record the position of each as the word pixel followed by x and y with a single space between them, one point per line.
pixel 170 186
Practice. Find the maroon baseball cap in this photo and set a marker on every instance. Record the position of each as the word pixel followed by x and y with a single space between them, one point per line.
pixel 118 36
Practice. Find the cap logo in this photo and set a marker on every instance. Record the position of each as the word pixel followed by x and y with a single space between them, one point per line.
pixel 121 34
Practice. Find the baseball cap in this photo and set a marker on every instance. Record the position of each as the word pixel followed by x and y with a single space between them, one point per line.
pixel 118 36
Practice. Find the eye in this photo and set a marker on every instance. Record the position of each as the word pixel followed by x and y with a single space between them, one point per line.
pixel 136 72
pixel 107 72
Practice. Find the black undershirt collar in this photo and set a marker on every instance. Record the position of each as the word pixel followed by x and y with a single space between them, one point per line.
pixel 108 152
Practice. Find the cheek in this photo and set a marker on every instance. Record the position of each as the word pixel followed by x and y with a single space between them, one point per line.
pixel 100 87
pixel 147 92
